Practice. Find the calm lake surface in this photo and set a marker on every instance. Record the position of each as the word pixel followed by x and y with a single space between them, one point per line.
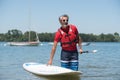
pixel 103 65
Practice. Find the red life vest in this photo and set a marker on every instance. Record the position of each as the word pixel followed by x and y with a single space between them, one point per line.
pixel 68 39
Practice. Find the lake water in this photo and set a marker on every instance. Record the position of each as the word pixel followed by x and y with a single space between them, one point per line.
pixel 103 65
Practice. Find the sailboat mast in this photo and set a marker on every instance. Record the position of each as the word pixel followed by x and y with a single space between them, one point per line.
pixel 29 19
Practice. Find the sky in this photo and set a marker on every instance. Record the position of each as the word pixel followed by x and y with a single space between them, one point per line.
pixel 90 16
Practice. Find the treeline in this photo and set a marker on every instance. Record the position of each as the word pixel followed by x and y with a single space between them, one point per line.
pixel 17 35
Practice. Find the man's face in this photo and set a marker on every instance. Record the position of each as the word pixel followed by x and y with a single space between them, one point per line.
pixel 64 21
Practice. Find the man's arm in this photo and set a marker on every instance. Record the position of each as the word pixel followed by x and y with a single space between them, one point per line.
pixel 52 53
pixel 80 44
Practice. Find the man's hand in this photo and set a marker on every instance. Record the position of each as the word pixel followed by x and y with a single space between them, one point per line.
pixel 81 51
pixel 49 62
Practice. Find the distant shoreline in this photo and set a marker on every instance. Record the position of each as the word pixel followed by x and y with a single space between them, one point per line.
pixel 19 36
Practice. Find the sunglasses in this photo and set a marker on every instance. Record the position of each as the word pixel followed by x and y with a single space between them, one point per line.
pixel 65 20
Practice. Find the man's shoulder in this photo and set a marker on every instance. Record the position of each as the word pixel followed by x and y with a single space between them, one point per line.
pixel 72 26
pixel 58 32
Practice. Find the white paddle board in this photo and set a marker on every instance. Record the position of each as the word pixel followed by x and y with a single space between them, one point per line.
pixel 50 70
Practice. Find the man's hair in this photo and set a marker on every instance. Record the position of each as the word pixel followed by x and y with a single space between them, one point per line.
pixel 65 15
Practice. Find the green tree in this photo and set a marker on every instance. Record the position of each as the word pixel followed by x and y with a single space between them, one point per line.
pixel 117 37
pixel 13 35
pixel 2 37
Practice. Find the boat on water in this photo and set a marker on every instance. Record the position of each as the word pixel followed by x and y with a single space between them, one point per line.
pixel 85 43
pixel 28 43
pixel 23 43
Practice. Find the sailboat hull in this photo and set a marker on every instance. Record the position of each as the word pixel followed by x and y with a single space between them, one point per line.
pixel 23 43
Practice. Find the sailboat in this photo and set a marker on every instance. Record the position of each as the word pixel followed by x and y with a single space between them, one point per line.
pixel 28 43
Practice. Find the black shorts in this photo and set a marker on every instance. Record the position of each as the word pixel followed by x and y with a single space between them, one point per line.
pixel 69 59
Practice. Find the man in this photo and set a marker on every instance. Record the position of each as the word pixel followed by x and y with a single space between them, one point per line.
pixel 68 36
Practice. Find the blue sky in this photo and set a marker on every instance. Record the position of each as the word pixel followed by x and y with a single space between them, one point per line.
pixel 90 16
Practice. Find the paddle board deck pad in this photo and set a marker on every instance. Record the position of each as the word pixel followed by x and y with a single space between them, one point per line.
pixel 50 70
